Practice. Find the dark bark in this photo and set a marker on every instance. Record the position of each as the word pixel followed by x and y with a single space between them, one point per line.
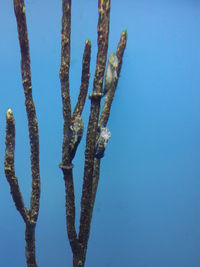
pixel 29 216
pixel 73 125
pixel 30 245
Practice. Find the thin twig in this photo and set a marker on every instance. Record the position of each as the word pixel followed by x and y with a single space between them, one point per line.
pixel 84 81
pixel 9 166
pixel 110 95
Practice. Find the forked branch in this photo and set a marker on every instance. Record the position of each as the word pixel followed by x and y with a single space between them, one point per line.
pixel 97 133
pixel 29 216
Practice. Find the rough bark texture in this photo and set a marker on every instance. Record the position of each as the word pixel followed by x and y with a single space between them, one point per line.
pixel 70 210
pixel 73 125
pixel 72 129
pixel 110 95
pixel 10 168
pixel 84 81
pixel 30 245
pixel 103 26
pixel 103 122
pixel 19 8
pixel 66 164
pixel 29 216
pixel 64 79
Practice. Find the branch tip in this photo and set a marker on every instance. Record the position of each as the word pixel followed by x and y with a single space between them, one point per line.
pixel 9 114
pixel 88 42
pixel 124 32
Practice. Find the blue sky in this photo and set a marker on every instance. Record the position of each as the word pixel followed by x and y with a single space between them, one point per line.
pixel 147 211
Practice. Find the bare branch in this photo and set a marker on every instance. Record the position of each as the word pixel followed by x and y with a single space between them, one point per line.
pixel 97 135
pixel 10 168
pixel 64 78
pixel 84 81
pixel 106 112
pixel 19 8
pixel 110 94
pixel 103 32
pixel 30 217
pixel 70 210
pixel 66 164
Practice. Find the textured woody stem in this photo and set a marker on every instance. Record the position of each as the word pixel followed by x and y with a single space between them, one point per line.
pixel 96 173
pixel 30 107
pixel 84 81
pixel 10 168
pixel 105 116
pixel 106 111
pixel 30 245
pixel 110 95
pixel 73 125
pixel 103 26
pixel 70 210
pixel 30 217
pixel 64 79
pixel 66 164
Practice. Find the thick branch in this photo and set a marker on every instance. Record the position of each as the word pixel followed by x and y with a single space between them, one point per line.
pixel 70 210
pixel 103 35
pixel 66 164
pixel 103 27
pixel 19 8
pixel 106 112
pixel 105 116
pixel 30 217
pixel 65 58
pixel 30 245
pixel 96 172
pixel 73 126
pixel 64 78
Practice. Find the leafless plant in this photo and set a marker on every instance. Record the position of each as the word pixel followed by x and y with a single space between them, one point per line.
pixel 29 216
pixel 97 133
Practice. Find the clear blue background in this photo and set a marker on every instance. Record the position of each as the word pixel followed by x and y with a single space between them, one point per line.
pixel 147 211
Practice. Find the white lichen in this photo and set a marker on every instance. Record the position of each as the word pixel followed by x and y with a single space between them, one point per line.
pixel 102 142
pixel 111 73
pixel 76 130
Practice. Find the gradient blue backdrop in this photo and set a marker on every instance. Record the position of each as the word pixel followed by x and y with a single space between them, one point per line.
pixel 147 211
